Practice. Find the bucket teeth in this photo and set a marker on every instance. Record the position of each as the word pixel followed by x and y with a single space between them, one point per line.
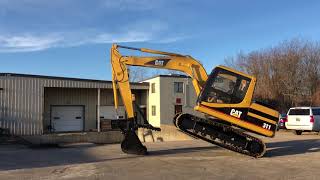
pixel 132 145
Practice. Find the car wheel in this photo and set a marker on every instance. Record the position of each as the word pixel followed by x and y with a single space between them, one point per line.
pixel 298 132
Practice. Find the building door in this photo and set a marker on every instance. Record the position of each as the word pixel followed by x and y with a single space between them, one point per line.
pixel 144 112
pixel 177 109
pixel 67 118
pixel 109 112
pixel 141 115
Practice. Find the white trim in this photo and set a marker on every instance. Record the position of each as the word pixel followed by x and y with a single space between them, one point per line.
pixel 98 110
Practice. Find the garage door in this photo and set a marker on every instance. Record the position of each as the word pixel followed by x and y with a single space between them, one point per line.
pixel 67 118
pixel 109 112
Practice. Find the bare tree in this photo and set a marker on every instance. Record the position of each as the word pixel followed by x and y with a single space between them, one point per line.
pixel 288 74
pixel 137 74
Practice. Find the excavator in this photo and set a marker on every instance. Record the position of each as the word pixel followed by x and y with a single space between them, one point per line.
pixel 224 97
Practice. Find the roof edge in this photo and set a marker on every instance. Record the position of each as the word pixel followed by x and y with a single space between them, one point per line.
pixel 65 78
pixel 167 75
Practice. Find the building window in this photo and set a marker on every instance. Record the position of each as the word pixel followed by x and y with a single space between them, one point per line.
pixel 153 109
pixel 153 87
pixel 178 87
pixel 177 109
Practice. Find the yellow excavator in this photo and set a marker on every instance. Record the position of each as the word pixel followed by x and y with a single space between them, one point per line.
pixel 224 97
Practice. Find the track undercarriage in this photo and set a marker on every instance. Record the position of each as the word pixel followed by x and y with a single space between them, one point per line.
pixel 220 134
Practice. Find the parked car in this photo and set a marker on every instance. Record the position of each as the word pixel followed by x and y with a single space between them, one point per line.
pixel 301 119
pixel 282 121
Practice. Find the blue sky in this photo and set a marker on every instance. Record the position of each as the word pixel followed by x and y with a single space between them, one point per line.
pixel 72 38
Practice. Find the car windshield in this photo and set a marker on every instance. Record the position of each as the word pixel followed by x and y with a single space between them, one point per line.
pixel 299 112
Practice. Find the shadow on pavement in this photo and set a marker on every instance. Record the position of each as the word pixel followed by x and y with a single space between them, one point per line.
pixel 25 158
pixel 286 148
pixel 180 150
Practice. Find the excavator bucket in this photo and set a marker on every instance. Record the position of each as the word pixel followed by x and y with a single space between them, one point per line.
pixel 132 145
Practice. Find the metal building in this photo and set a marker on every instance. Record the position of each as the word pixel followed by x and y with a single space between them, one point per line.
pixel 36 105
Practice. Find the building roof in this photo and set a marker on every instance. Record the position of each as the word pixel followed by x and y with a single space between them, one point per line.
pixel 65 78
pixel 168 76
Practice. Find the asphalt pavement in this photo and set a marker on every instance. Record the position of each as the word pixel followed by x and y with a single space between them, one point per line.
pixel 288 156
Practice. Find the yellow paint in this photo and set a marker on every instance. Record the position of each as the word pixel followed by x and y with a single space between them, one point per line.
pixel 265 110
pixel 262 118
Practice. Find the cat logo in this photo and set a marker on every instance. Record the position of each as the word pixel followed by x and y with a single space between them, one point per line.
pixel 159 62
pixel 235 113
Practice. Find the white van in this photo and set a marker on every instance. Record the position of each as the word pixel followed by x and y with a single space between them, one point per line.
pixel 303 119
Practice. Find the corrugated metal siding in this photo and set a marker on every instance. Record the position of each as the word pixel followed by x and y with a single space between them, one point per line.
pixel 83 84
pixel 74 84
pixel 21 105
pixel 22 100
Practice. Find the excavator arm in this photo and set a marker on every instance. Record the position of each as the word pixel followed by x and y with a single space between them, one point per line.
pixel 120 80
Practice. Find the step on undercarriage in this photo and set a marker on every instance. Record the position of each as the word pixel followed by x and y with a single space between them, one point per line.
pixel 220 134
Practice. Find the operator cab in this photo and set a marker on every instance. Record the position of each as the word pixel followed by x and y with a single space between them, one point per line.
pixel 225 87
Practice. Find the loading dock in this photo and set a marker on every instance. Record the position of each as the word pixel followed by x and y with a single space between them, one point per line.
pixel 67 118
pixel 109 112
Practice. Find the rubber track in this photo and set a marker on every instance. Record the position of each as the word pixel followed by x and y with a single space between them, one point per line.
pixel 221 142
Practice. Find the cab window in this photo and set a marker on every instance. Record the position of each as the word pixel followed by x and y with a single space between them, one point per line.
pixel 226 87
